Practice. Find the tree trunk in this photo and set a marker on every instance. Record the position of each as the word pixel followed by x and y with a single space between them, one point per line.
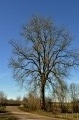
pixel 43 97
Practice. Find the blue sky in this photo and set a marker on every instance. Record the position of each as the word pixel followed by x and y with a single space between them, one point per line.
pixel 15 13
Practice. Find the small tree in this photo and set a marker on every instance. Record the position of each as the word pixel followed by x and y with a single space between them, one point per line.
pixel 45 56
pixel 74 93
pixel 25 101
pixel 2 98
pixel 18 100
pixel 60 92
pixel 33 101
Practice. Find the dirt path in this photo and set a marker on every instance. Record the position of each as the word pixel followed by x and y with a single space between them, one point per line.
pixel 27 116
pixel 13 109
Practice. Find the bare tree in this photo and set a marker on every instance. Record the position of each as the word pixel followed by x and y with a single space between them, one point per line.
pixel 2 98
pixel 18 100
pixel 45 56
pixel 74 93
pixel 60 91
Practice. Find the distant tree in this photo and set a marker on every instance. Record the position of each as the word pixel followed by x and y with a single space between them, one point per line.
pixel 2 98
pixel 60 92
pixel 25 101
pixel 18 100
pixel 45 56
pixel 74 93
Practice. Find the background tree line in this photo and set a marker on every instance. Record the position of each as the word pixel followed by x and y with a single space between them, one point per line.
pixel 59 102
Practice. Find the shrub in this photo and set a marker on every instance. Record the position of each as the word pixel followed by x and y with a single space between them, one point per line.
pixel 2 109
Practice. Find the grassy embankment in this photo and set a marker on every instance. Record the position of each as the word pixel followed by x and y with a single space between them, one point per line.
pixel 67 116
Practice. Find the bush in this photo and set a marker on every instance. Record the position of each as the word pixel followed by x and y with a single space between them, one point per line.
pixel 2 109
pixel 31 103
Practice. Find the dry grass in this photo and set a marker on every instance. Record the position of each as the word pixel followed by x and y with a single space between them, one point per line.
pixel 8 118
pixel 67 116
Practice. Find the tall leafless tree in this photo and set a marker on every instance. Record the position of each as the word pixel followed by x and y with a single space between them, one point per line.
pixel 3 98
pixel 45 56
pixel 60 92
pixel 74 93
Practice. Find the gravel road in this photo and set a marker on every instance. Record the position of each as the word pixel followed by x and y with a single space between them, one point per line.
pixel 27 116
